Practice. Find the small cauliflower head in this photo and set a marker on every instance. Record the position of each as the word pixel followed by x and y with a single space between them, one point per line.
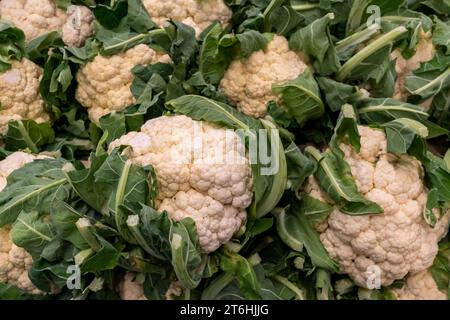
pixel 199 14
pixel 19 94
pixel 395 242
pixel 130 288
pixel 247 83
pixel 36 17
pixel 78 27
pixel 104 84
pixel 202 170
pixel 425 52
pixel 420 286
pixel 14 261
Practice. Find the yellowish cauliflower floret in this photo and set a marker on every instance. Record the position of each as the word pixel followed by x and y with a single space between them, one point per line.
pixel 14 261
pixel 36 17
pixel 202 172
pixel 248 82
pixel 425 52
pixel 104 84
pixel 78 27
pixel 420 286
pixel 397 241
pixel 19 94
pixel 198 14
pixel 130 289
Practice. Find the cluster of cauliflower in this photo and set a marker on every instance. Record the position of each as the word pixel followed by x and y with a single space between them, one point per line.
pixel 202 172
pixel 14 261
pixel 37 17
pixel 104 84
pixel 398 241
pixel 19 94
pixel 420 286
pixel 197 14
pixel 248 82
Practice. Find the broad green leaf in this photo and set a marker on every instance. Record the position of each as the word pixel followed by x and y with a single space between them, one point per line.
pixel 187 260
pixel 400 134
pixel 301 97
pixel 23 134
pixel 334 176
pixel 440 34
pixel 297 231
pixel 32 231
pixel 12 45
pixel 380 111
pixel 122 184
pixel 33 188
pixel 315 41
pixel 440 269
pixel 336 93
pixel 242 270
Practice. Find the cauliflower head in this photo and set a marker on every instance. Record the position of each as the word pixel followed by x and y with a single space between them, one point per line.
pixel 198 14
pixel 425 52
pixel 104 84
pixel 36 17
pixel 397 241
pixel 248 82
pixel 420 286
pixel 202 172
pixel 78 27
pixel 19 94
pixel 14 261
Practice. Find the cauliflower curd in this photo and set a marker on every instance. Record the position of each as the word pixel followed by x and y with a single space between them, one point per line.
pixel 198 14
pixel 425 52
pixel 398 241
pixel 104 84
pixel 202 173
pixel 19 94
pixel 248 82
pixel 14 261
pixel 36 17
pixel 420 286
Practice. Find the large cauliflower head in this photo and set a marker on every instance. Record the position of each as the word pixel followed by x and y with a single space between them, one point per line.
pixel 425 52
pixel 19 94
pixel 202 171
pixel 420 286
pixel 198 14
pixel 36 17
pixel 248 82
pixel 104 84
pixel 14 261
pixel 395 242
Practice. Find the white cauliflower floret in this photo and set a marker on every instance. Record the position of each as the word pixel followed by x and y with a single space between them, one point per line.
pixel 202 173
pixel 425 52
pixel 78 27
pixel 36 17
pixel 420 286
pixel 248 82
pixel 19 94
pixel 199 14
pixel 104 84
pixel 397 241
pixel 130 288
pixel 14 261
